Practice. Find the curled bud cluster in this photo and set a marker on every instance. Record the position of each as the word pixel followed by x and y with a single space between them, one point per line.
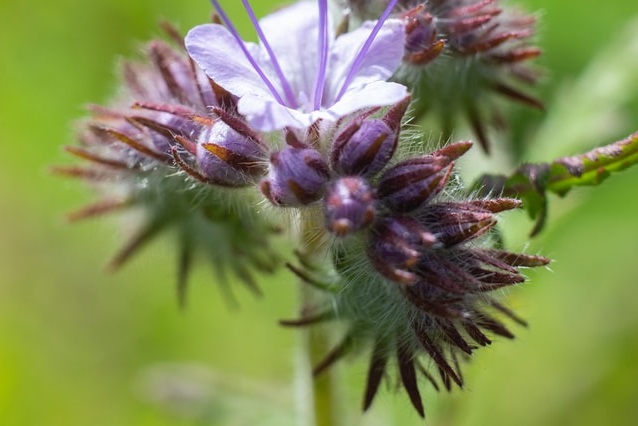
pixel 488 48
pixel 171 119
pixel 358 153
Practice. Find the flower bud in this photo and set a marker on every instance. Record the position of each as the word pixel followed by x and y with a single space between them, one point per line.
pixel 412 183
pixel 365 151
pixel 349 205
pixel 163 125
pixel 397 246
pixel 421 42
pixel 366 145
pixel 296 177
pixel 228 158
pixel 456 223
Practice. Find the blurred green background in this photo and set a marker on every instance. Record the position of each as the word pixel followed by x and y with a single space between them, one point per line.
pixel 79 346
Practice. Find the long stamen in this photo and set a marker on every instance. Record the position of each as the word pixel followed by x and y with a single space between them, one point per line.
pixel 292 102
pixel 323 52
pixel 364 49
pixel 242 45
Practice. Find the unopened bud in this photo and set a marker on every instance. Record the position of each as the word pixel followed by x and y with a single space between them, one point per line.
pixel 297 177
pixel 229 158
pixel 397 246
pixel 422 43
pixel 365 151
pixel 411 183
pixel 456 223
pixel 365 146
pixel 349 205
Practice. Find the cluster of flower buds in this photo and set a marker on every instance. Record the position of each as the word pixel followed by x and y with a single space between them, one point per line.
pixel 173 118
pixel 424 286
pixel 487 48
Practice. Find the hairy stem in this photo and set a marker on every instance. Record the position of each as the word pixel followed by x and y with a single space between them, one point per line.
pixel 317 397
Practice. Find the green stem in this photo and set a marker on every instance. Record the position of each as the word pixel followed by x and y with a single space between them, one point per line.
pixel 318 397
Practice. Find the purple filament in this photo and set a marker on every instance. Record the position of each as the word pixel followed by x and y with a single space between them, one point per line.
pixel 323 53
pixel 242 45
pixel 356 64
pixel 290 97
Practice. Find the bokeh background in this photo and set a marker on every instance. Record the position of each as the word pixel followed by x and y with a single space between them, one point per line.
pixel 79 346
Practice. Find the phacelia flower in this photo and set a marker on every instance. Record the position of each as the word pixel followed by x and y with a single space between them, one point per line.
pixel 205 131
pixel 301 71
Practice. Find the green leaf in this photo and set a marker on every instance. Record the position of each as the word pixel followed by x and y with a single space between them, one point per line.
pixel 592 167
pixel 532 182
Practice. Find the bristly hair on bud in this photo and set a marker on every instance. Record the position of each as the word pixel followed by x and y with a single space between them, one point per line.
pixel 172 146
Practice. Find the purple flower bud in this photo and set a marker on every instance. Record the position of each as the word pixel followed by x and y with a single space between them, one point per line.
pixel 365 151
pixel 421 42
pixel 412 183
pixel 296 177
pixel 229 158
pixel 397 246
pixel 456 223
pixel 445 274
pixel 164 122
pixel 365 146
pixel 349 205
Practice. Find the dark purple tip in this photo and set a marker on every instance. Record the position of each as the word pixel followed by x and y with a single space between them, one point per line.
pixel 349 205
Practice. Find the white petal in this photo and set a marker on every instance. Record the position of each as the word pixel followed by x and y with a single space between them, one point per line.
pixel 217 52
pixel 267 115
pixel 293 34
pixel 379 63
pixel 378 93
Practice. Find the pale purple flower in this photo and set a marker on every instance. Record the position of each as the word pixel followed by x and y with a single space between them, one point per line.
pixel 301 71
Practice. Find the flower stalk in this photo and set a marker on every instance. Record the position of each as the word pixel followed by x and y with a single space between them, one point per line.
pixel 323 392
